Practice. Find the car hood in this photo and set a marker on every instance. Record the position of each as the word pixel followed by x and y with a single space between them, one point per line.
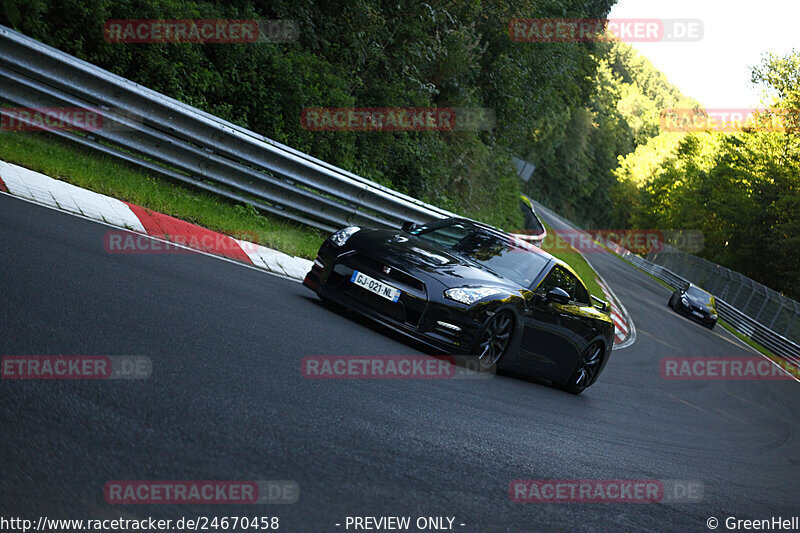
pixel 425 260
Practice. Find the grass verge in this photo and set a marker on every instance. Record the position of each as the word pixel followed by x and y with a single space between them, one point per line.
pixel 106 175
pixel 750 342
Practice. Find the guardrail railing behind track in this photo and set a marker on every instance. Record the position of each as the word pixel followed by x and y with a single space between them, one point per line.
pixel 176 141
pixel 777 344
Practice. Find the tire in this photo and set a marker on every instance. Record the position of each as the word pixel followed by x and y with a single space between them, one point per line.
pixel 586 371
pixel 711 325
pixel 494 340
pixel 672 301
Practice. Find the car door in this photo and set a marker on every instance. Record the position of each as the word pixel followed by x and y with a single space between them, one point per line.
pixel 552 339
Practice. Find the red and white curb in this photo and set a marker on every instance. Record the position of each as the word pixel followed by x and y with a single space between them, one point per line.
pixel 36 187
pixel 624 331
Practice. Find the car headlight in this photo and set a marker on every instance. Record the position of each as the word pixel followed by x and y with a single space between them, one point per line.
pixel 341 236
pixel 713 316
pixel 469 295
pixel 684 301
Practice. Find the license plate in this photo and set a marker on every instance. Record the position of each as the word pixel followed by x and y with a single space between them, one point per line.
pixel 697 313
pixel 373 285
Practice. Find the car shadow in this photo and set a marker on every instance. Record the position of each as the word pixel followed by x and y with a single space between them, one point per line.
pixel 463 362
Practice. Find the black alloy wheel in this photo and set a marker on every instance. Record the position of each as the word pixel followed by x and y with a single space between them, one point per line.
pixel 495 340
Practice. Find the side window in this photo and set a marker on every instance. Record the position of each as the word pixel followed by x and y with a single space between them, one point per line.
pixel 581 294
pixel 559 277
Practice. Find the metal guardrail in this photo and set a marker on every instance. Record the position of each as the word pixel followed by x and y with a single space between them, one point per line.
pixel 777 344
pixel 779 313
pixel 176 141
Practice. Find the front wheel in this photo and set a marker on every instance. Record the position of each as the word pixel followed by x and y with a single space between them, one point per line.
pixel 673 300
pixel 586 370
pixel 494 341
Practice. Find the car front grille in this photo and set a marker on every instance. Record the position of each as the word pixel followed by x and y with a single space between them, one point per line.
pixel 413 299
pixel 370 265
pixel 698 309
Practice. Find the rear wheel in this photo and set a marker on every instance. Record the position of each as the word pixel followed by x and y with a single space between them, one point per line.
pixel 587 369
pixel 494 340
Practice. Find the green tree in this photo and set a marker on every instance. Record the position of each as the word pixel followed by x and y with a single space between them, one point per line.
pixel 742 189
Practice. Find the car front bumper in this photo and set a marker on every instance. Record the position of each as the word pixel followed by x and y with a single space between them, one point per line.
pixel 448 327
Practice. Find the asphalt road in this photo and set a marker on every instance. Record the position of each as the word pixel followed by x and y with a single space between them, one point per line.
pixel 226 401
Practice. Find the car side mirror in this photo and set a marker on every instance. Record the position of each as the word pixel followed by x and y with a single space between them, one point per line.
pixel 600 304
pixel 558 295
pixel 408 226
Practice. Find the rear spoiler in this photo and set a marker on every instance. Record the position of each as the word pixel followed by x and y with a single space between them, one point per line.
pixel 601 304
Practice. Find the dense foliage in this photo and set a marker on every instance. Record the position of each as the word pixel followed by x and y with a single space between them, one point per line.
pixel 741 189
pixel 359 54
pixel 575 157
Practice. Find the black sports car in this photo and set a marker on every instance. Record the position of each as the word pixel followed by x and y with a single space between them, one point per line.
pixel 465 288
pixel 696 303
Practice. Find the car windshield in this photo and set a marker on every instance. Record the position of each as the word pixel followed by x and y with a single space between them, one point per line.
pixel 699 294
pixel 509 257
